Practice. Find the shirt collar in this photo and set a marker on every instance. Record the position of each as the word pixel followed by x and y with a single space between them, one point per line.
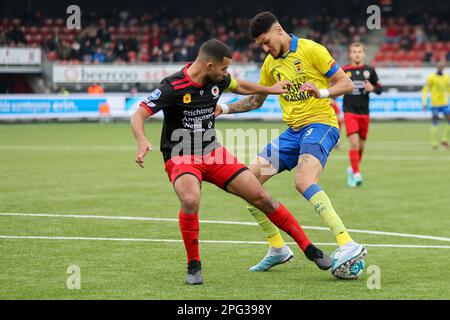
pixel 293 48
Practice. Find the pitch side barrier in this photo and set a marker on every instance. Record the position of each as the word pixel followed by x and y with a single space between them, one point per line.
pixel 119 106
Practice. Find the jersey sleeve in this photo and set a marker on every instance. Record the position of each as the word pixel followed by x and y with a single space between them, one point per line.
pixel 375 82
pixel 266 79
pixel 162 97
pixel 230 83
pixel 323 61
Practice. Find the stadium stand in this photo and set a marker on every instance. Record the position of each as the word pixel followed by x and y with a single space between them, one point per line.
pixel 152 38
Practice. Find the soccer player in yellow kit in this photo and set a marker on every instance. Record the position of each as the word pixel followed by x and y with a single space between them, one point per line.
pixel 438 84
pixel 312 132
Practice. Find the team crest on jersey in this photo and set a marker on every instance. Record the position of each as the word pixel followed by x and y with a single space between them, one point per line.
pixel 298 65
pixel 187 98
pixel 349 74
pixel 215 91
pixel 366 74
pixel 155 94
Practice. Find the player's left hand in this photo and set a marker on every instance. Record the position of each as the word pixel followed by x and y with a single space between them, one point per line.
pixel 368 87
pixel 311 89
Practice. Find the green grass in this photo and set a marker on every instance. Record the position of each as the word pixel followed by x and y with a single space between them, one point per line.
pixel 89 169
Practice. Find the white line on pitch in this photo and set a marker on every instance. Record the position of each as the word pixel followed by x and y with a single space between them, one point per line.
pixel 81 216
pixel 231 149
pixel 406 246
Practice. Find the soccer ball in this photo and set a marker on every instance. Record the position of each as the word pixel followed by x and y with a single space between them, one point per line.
pixel 349 271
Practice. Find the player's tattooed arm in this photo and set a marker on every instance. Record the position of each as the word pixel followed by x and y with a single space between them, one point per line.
pixel 247 104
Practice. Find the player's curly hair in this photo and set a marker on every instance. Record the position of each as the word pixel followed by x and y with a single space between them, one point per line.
pixel 261 23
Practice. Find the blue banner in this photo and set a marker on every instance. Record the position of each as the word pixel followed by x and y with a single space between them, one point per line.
pixel 17 106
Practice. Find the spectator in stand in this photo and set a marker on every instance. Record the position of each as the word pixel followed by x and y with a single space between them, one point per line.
pixel 17 36
pixel 391 31
pixel 99 56
pixel 428 52
pixel 167 53
pixel 420 35
pixel 110 57
pixel 64 51
pixel 75 50
pixel 86 51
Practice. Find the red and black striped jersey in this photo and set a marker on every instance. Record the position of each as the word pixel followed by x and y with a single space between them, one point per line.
pixel 188 109
pixel 357 102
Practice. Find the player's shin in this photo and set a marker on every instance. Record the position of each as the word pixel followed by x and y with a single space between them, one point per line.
pixel 434 135
pixel 271 231
pixel 284 220
pixel 322 204
pixel 355 157
pixel 189 227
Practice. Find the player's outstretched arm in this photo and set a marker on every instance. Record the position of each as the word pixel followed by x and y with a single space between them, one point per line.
pixel 137 124
pixel 247 88
pixel 247 104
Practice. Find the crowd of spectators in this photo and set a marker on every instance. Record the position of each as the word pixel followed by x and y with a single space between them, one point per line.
pixel 413 42
pixel 123 37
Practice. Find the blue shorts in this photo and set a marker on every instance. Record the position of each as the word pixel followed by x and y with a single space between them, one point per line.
pixel 436 110
pixel 315 139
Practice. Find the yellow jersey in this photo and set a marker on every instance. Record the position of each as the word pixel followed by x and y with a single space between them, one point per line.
pixel 439 86
pixel 306 61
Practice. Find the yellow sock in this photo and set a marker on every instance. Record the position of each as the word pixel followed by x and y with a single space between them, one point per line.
pixel 272 232
pixel 343 238
pixel 322 204
pixel 445 133
pixel 434 136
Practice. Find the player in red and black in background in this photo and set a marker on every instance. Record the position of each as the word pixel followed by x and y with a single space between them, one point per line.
pixel 191 153
pixel 356 108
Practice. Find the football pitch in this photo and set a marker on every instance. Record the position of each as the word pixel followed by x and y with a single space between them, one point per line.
pixel 72 198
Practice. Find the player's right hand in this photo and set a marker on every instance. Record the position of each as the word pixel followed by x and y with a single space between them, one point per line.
pixel 143 149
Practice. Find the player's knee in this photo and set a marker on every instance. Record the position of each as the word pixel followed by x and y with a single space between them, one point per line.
pixel 354 145
pixel 190 203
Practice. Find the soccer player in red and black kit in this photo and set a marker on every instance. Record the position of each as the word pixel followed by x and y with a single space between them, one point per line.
pixel 191 153
pixel 356 108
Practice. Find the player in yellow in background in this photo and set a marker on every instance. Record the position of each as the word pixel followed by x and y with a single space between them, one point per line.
pixel 313 131
pixel 438 85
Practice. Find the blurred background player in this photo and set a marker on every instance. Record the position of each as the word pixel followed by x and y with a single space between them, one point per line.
pixel 188 99
pixel 356 108
pixel 312 133
pixel 438 84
